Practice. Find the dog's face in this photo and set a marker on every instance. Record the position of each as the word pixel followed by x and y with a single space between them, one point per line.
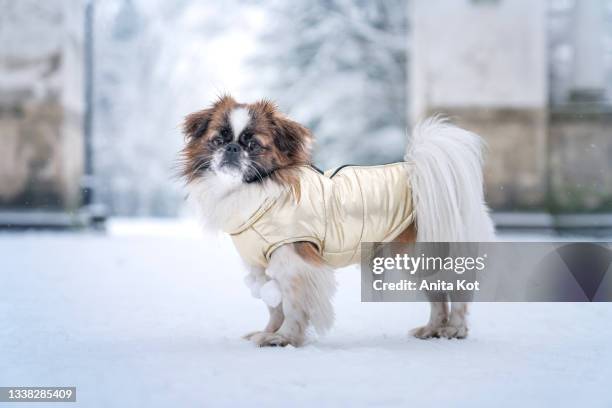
pixel 245 143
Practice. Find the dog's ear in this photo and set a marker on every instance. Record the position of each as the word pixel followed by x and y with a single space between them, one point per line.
pixel 196 124
pixel 292 139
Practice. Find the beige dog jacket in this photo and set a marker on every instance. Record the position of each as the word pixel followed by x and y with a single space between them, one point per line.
pixel 336 212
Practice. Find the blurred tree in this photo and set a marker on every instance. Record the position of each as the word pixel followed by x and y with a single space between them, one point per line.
pixel 340 67
pixel 130 162
pixel 152 67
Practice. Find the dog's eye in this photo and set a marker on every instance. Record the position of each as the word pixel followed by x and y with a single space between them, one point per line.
pixel 252 145
pixel 224 133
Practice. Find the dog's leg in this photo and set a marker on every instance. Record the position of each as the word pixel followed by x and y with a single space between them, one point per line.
pixel 306 291
pixel 254 281
pixel 292 330
pixel 438 316
pixel 457 327
pixel 276 319
pixel 275 322
pixel 457 322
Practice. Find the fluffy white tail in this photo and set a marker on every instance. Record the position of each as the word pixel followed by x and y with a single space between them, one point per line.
pixel 446 180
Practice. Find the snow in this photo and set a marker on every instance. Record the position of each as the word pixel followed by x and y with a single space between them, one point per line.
pixel 151 314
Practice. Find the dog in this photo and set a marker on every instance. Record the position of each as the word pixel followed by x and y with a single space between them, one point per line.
pixel 248 171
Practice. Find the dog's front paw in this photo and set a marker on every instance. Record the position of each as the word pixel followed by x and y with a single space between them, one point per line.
pixel 426 332
pixel 263 339
pixel 454 332
pixel 250 335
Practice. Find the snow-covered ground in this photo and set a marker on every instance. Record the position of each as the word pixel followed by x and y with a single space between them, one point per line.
pixel 151 315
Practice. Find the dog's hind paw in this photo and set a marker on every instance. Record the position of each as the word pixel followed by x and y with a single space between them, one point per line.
pixel 426 332
pixel 263 339
pixel 454 332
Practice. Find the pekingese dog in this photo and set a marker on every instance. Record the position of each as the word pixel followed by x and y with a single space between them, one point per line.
pixel 249 173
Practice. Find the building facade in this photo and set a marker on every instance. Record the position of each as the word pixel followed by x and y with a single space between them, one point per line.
pixel 530 77
pixel 41 105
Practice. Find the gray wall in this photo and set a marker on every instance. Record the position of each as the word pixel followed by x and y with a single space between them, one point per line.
pixel 41 104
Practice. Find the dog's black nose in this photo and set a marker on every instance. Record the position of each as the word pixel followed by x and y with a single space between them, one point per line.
pixel 232 148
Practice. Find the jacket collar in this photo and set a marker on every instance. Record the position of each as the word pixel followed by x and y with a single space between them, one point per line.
pixel 236 226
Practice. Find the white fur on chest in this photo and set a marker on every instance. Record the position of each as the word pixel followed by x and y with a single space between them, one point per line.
pixel 222 199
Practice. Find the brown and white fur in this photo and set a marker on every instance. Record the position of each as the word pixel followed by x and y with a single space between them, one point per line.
pixel 237 155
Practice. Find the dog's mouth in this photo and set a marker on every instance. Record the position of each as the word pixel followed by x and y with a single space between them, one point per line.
pixel 257 175
pixel 227 164
pixel 230 164
pixel 239 167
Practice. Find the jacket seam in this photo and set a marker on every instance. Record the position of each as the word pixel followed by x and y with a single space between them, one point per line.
pixel 275 246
